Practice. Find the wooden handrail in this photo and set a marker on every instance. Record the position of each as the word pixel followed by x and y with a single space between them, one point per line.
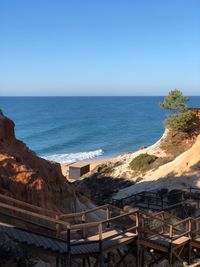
pixel 93 224
pixel 121 216
pixel 196 219
pixel 155 218
pixel 183 221
pixel 69 215
pixel 159 213
pixel 158 234
pixel 155 228
pixel 79 214
pixel 33 214
pixel 28 205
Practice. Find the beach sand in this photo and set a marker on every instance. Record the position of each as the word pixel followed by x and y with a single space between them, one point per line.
pixel 93 164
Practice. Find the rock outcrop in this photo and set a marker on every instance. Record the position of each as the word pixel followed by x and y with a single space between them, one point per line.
pixel 27 177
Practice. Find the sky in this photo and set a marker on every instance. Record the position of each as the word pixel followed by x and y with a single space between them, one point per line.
pixel 99 47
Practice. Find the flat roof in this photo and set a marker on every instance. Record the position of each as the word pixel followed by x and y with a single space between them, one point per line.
pixel 78 164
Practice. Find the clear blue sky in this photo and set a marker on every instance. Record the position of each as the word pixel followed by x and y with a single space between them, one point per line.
pixel 99 47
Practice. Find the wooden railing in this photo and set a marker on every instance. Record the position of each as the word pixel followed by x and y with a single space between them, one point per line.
pixel 21 212
pixel 154 226
pixel 93 232
pixel 151 200
pixel 115 222
pixel 18 203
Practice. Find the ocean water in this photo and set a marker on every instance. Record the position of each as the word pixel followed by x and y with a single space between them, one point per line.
pixel 68 129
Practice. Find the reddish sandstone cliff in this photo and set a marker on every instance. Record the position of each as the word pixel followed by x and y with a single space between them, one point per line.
pixel 27 177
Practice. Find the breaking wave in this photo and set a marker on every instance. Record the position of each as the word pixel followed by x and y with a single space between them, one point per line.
pixel 73 157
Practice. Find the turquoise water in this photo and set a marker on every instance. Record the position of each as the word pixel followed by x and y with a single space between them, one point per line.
pixel 67 129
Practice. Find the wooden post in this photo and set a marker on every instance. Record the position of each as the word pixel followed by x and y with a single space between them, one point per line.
pixel 83 221
pixel 142 226
pixel 170 231
pixel 137 222
pixel 108 216
pixel 57 227
pixel 170 254
pixel 182 196
pixel 101 260
pixel 189 252
pixel 189 244
pixel 142 257
pixel 138 252
pixel 69 247
pixel 189 227
pixel 162 217
pixel 197 226
pixel 170 244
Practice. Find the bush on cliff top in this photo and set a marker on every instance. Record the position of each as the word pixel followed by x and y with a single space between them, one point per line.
pixel 183 122
pixel 180 118
pixel 143 162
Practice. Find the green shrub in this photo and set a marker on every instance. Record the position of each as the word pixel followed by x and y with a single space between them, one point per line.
pixel 183 122
pixel 143 162
pixel 174 143
pixel 138 179
pixel 103 167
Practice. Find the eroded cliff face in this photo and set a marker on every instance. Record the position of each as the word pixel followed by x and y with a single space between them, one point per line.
pixel 27 177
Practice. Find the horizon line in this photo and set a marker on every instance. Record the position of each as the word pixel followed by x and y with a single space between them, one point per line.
pixel 91 96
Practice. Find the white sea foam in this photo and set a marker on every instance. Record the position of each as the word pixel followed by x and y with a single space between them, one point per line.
pixel 73 157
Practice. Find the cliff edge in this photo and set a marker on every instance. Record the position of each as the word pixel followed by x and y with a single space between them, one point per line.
pixel 27 177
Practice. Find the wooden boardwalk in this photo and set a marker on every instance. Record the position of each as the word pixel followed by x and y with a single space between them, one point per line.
pixel 151 200
pixel 70 236
pixel 51 233
pixel 154 200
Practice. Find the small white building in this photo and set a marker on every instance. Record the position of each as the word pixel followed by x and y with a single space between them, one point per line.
pixel 78 169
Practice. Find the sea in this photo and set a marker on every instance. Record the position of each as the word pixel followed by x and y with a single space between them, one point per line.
pixel 70 129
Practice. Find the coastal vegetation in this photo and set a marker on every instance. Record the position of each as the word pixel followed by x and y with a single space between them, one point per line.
pixel 180 118
pixel 181 122
pixel 102 168
pixel 181 130
pixel 143 162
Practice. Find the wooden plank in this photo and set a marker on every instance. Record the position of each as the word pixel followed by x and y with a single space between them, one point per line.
pixel 111 234
pixel 181 235
pixel 180 240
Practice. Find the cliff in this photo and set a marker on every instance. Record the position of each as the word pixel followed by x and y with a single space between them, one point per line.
pixel 27 177
pixel 180 173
